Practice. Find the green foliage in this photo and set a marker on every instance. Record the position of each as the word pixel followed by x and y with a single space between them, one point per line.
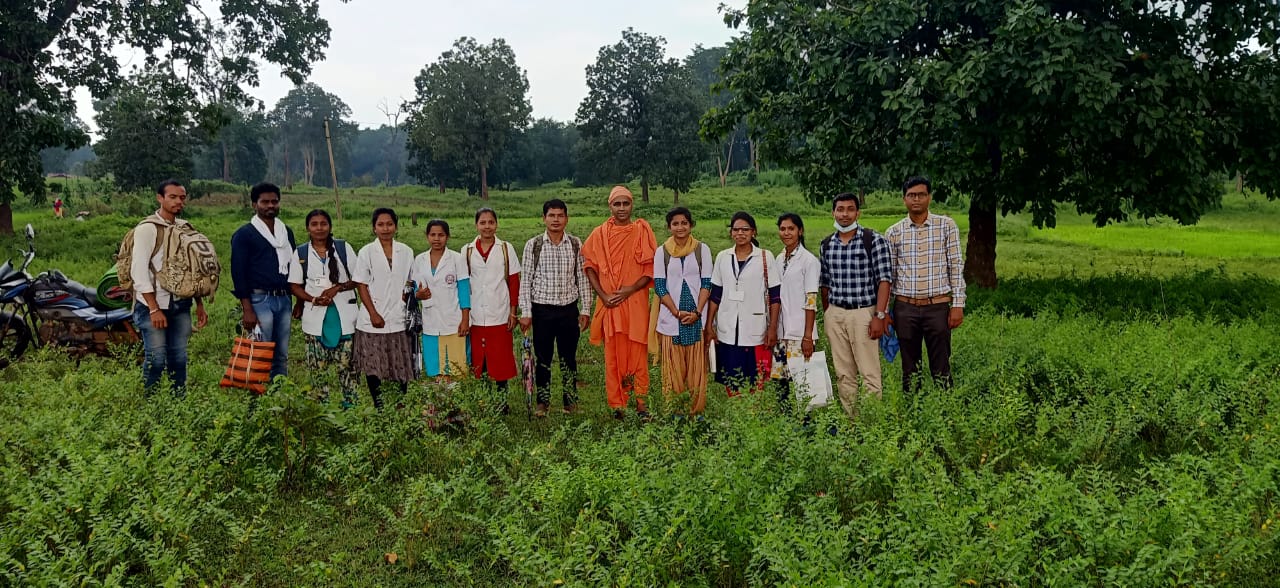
pixel 1104 430
pixel 299 121
pixel 51 48
pixel 146 134
pixel 637 117
pixel 1123 110
pixel 468 106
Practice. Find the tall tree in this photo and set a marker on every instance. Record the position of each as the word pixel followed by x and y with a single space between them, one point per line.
pixel 679 103
pixel 48 48
pixel 468 105
pixel 298 119
pixel 621 120
pixel 733 150
pixel 1119 108
pixel 146 133
pixel 235 151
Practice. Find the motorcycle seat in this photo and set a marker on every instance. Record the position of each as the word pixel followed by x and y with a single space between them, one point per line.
pixel 81 291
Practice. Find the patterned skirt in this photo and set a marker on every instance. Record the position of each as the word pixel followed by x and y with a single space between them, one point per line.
pixel 388 356
pixel 684 370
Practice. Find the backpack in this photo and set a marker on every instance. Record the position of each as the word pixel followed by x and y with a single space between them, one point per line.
pixel 666 260
pixel 868 243
pixel 506 261
pixel 537 253
pixel 304 254
pixel 191 267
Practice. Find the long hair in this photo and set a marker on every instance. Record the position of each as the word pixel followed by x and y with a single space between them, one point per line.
pixel 329 245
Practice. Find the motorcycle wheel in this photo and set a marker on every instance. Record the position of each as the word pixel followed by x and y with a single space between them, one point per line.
pixel 15 337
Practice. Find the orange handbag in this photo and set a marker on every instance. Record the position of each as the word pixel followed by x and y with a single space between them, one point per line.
pixel 250 365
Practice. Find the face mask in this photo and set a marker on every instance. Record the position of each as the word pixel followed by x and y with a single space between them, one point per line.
pixel 843 229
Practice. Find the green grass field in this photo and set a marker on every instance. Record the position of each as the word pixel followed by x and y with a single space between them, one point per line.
pixel 1113 423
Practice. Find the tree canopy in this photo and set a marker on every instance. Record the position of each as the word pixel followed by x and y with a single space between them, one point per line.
pixel 48 48
pixel 633 120
pixel 1118 108
pixel 298 120
pixel 469 103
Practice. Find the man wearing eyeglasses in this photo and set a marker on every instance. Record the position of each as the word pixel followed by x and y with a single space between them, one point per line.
pixel 928 284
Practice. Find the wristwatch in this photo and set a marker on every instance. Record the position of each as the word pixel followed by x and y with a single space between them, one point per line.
pixel 880 314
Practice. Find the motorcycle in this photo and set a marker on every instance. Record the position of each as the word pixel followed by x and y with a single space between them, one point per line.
pixel 52 309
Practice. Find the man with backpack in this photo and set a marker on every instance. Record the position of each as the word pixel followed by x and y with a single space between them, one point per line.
pixel 928 285
pixel 261 252
pixel 555 300
pixel 854 280
pixel 151 261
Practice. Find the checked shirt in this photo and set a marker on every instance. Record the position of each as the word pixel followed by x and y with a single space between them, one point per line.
pixel 558 280
pixel 927 259
pixel 849 274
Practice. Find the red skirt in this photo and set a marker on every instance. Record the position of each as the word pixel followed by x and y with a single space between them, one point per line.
pixel 493 350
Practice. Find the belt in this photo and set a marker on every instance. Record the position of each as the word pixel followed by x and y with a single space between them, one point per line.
pixel 847 306
pixel 939 299
pixel 270 292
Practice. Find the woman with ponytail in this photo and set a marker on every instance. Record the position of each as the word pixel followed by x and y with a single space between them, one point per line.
pixel 321 279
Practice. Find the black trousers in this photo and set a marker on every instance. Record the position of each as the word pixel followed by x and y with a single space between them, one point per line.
pixel 555 328
pixel 927 326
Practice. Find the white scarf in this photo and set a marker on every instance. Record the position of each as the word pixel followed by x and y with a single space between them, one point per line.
pixel 279 240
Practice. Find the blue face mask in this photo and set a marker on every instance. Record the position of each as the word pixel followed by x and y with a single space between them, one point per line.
pixel 843 229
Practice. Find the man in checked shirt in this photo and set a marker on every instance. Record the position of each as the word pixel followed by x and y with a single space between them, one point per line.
pixel 853 279
pixel 555 301
pixel 928 284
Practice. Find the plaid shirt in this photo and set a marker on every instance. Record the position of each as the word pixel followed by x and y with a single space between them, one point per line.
pixel 558 280
pixel 926 259
pixel 849 274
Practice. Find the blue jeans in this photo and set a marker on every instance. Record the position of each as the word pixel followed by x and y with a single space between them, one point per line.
pixel 275 317
pixel 165 350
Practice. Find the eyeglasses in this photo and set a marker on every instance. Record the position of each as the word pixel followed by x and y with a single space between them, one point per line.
pixel 916 196
pixel 740 229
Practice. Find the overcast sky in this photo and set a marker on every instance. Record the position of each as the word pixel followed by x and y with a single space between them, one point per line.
pixel 379 46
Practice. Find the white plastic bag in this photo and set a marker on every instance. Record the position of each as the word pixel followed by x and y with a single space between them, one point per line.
pixel 810 380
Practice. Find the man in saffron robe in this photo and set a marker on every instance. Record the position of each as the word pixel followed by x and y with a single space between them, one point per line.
pixel 618 261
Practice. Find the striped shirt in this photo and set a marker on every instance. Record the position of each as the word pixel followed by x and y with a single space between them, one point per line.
pixel 558 279
pixel 850 273
pixel 926 259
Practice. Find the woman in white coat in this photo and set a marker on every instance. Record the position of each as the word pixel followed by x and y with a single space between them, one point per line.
pixel 744 307
pixel 444 289
pixel 383 349
pixel 797 312
pixel 320 276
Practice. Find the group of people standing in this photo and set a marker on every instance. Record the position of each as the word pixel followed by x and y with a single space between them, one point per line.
pixel 745 310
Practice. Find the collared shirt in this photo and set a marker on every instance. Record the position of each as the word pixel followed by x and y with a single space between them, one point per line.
pixel 558 279
pixel 253 262
pixel 450 291
pixel 148 259
pixel 386 279
pixel 743 292
pixel 849 273
pixel 313 276
pixel 799 276
pixel 926 259
pixel 491 287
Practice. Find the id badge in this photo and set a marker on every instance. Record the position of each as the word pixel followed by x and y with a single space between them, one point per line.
pixel 737 295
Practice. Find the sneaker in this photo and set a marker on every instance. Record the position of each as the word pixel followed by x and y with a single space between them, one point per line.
pixel 541 412
pixel 570 409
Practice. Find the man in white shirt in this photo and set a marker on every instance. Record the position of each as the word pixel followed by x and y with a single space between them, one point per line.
pixel 553 293
pixel 164 321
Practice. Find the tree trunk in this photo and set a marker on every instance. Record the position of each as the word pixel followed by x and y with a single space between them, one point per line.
pixel 644 189
pixel 755 156
pixel 676 196
pixel 6 219
pixel 441 186
pixel 288 185
pixel 484 180
pixel 226 162
pixel 980 254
